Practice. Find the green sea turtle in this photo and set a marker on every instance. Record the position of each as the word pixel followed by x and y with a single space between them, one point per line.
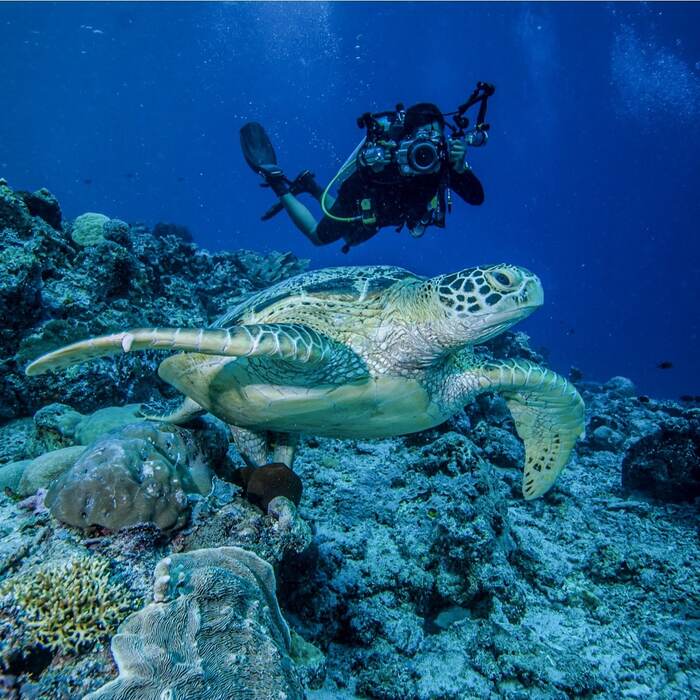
pixel 360 352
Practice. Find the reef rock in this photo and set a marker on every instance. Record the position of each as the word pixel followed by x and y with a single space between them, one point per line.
pixel 429 576
pixel 44 205
pixel 215 632
pixel 225 519
pixel 665 464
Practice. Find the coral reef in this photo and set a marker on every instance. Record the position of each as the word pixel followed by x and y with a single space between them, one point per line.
pixel 214 632
pixel 54 290
pixel 29 540
pixel 411 568
pixel 68 606
pixel 429 578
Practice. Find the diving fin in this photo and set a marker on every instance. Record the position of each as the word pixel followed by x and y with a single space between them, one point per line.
pixel 257 147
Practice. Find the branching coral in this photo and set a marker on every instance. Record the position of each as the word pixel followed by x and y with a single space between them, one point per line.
pixel 69 606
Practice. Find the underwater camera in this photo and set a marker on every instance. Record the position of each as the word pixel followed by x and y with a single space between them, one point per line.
pixel 421 155
pixel 426 151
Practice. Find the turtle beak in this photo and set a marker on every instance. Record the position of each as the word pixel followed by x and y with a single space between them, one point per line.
pixel 518 306
pixel 533 293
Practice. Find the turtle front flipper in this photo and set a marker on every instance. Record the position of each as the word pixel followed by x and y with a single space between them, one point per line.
pixel 292 343
pixel 548 414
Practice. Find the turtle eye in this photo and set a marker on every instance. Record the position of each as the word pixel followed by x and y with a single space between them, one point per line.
pixel 503 280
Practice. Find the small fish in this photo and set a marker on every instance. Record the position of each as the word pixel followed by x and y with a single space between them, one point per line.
pixel 643 399
pixel 687 398
pixel 570 331
pixel 87 181
pixel 129 175
pixel 181 179
pixel 666 364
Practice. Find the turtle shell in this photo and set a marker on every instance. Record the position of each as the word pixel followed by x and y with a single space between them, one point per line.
pixel 347 284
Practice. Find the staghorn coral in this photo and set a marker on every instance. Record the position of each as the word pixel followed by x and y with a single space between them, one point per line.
pixel 215 632
pixel 68 606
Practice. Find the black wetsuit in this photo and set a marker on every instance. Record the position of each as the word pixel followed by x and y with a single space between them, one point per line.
pixel 396 200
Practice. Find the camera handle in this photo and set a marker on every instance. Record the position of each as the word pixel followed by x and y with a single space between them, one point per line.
pixel 479 96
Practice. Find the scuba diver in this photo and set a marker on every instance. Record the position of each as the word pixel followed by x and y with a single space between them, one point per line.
pixel 401 174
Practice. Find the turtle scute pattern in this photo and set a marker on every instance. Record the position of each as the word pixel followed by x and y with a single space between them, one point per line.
pixel 342 285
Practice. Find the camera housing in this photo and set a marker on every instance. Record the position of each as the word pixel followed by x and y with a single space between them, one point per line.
pixel 375 157
pixel 421 155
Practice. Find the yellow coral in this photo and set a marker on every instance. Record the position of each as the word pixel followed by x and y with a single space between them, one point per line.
pixel 69 606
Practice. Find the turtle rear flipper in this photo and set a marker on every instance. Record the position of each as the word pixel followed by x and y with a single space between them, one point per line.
pixel 548 414
pixel 260 447
pixel 187 410
pixel 252 445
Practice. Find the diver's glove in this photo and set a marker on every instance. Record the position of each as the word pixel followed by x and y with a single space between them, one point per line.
pixel 458 153
pixel 274 179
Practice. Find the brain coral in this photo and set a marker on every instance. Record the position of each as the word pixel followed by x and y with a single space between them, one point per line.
pixel 68 606
pixel 137 474
pixel 87 228
pixel 216 633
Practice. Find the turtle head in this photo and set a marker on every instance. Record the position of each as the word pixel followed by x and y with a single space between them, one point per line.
pixel 480 302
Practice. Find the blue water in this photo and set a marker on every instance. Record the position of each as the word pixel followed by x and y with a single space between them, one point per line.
pixel 591 173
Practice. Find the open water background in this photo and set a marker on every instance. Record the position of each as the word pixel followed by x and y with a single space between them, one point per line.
pixel 591 173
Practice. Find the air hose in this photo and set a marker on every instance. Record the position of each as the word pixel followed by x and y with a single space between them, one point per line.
pixel 351 160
